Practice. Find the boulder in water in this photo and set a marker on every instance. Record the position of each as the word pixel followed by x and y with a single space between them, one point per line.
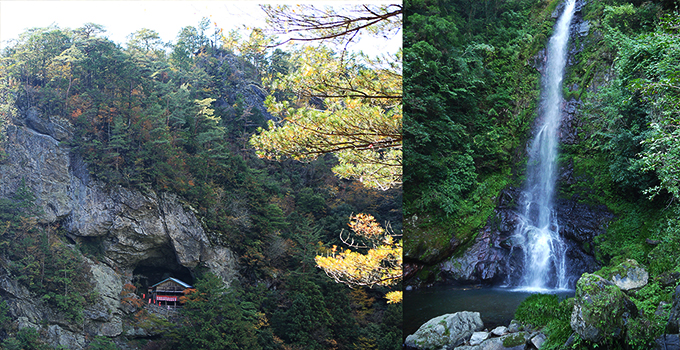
pixel 446 331
pixel 514 326
pixel 490 344
pixel 601 309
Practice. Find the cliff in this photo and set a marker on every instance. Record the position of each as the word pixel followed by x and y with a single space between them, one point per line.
pixel 141 235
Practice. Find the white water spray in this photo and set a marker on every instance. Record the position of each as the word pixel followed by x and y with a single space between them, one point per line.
pixel 538 231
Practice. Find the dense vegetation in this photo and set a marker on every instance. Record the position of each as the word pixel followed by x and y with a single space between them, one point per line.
pixel 471 90
pixel 177 117
pixel 627 157
pixel 470 98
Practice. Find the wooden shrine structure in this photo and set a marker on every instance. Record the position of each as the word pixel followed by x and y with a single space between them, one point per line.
pixel 167 292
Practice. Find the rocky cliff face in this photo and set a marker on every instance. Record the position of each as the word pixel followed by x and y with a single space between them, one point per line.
pixel 138 231
pixel 491 259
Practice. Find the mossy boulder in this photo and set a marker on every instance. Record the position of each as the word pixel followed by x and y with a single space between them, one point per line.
pixel 515 339
pixel 628 275
pixel 601 309
pixel 446 331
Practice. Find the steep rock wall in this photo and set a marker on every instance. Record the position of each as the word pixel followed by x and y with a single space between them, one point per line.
pixel 133 228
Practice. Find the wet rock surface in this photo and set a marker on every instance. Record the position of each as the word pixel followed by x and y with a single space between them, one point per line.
pixel 568 131
pixel 428 246
pixel 495 258
pixel 580 222
pixel 483 262
pixel 668 342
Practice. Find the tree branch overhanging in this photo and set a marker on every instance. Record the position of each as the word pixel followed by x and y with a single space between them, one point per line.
pixel 322 25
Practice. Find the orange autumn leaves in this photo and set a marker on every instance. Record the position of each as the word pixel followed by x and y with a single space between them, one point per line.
pixel 381 265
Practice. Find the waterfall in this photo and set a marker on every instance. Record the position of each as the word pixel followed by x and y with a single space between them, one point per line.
pixel 538 231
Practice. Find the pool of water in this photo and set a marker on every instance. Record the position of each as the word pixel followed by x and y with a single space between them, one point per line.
pixel 496 305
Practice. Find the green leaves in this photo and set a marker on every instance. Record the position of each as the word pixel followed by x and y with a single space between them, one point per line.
pixel 641 104
pixel 343 108
pixel 215 319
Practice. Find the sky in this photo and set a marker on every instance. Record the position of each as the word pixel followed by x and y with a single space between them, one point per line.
pixel 121 18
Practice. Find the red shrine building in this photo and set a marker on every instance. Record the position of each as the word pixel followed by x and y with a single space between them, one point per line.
pixel 167 292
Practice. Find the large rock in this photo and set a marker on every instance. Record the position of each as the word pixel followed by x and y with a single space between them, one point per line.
pixel 55 127
pixel 427 244
pixel 500 330
pixel 64 339
pixel 240 88
pixel 568 130
pixel 673 325
pixel 496 255
pixel 104 315
pixel 483 262
pixel 446 331
pixel 184 230
pixel 580 222
pixel 601 309
pixel 515 341
pixel 508 342
pixel 156 230
pixel 133 227
pixel 629 275
pixel 43 165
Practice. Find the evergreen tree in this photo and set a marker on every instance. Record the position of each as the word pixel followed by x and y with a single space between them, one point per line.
pixel 214 319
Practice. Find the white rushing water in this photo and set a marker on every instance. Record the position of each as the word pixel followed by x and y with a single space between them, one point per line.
pixel 538 231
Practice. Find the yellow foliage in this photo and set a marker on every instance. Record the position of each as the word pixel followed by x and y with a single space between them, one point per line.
pixel 394 297
pixel 381 265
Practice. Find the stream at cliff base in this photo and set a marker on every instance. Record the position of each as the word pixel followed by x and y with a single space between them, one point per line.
pixel 496 305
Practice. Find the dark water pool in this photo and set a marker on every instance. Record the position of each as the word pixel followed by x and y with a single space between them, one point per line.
pixel 496 305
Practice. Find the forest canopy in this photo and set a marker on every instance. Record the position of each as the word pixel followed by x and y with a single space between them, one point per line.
pixel 177 117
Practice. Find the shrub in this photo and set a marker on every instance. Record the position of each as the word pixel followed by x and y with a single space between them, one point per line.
pixel 537 309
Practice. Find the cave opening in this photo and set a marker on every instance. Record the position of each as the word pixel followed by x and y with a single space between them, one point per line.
pixel 151 271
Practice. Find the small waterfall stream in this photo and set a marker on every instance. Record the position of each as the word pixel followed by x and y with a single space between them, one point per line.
pixel 538 231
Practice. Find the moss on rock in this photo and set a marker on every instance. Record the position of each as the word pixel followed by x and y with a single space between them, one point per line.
pixel 601 309
pixel 515 339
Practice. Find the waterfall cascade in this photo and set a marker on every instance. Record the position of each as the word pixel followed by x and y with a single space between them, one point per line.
pixel 538 231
